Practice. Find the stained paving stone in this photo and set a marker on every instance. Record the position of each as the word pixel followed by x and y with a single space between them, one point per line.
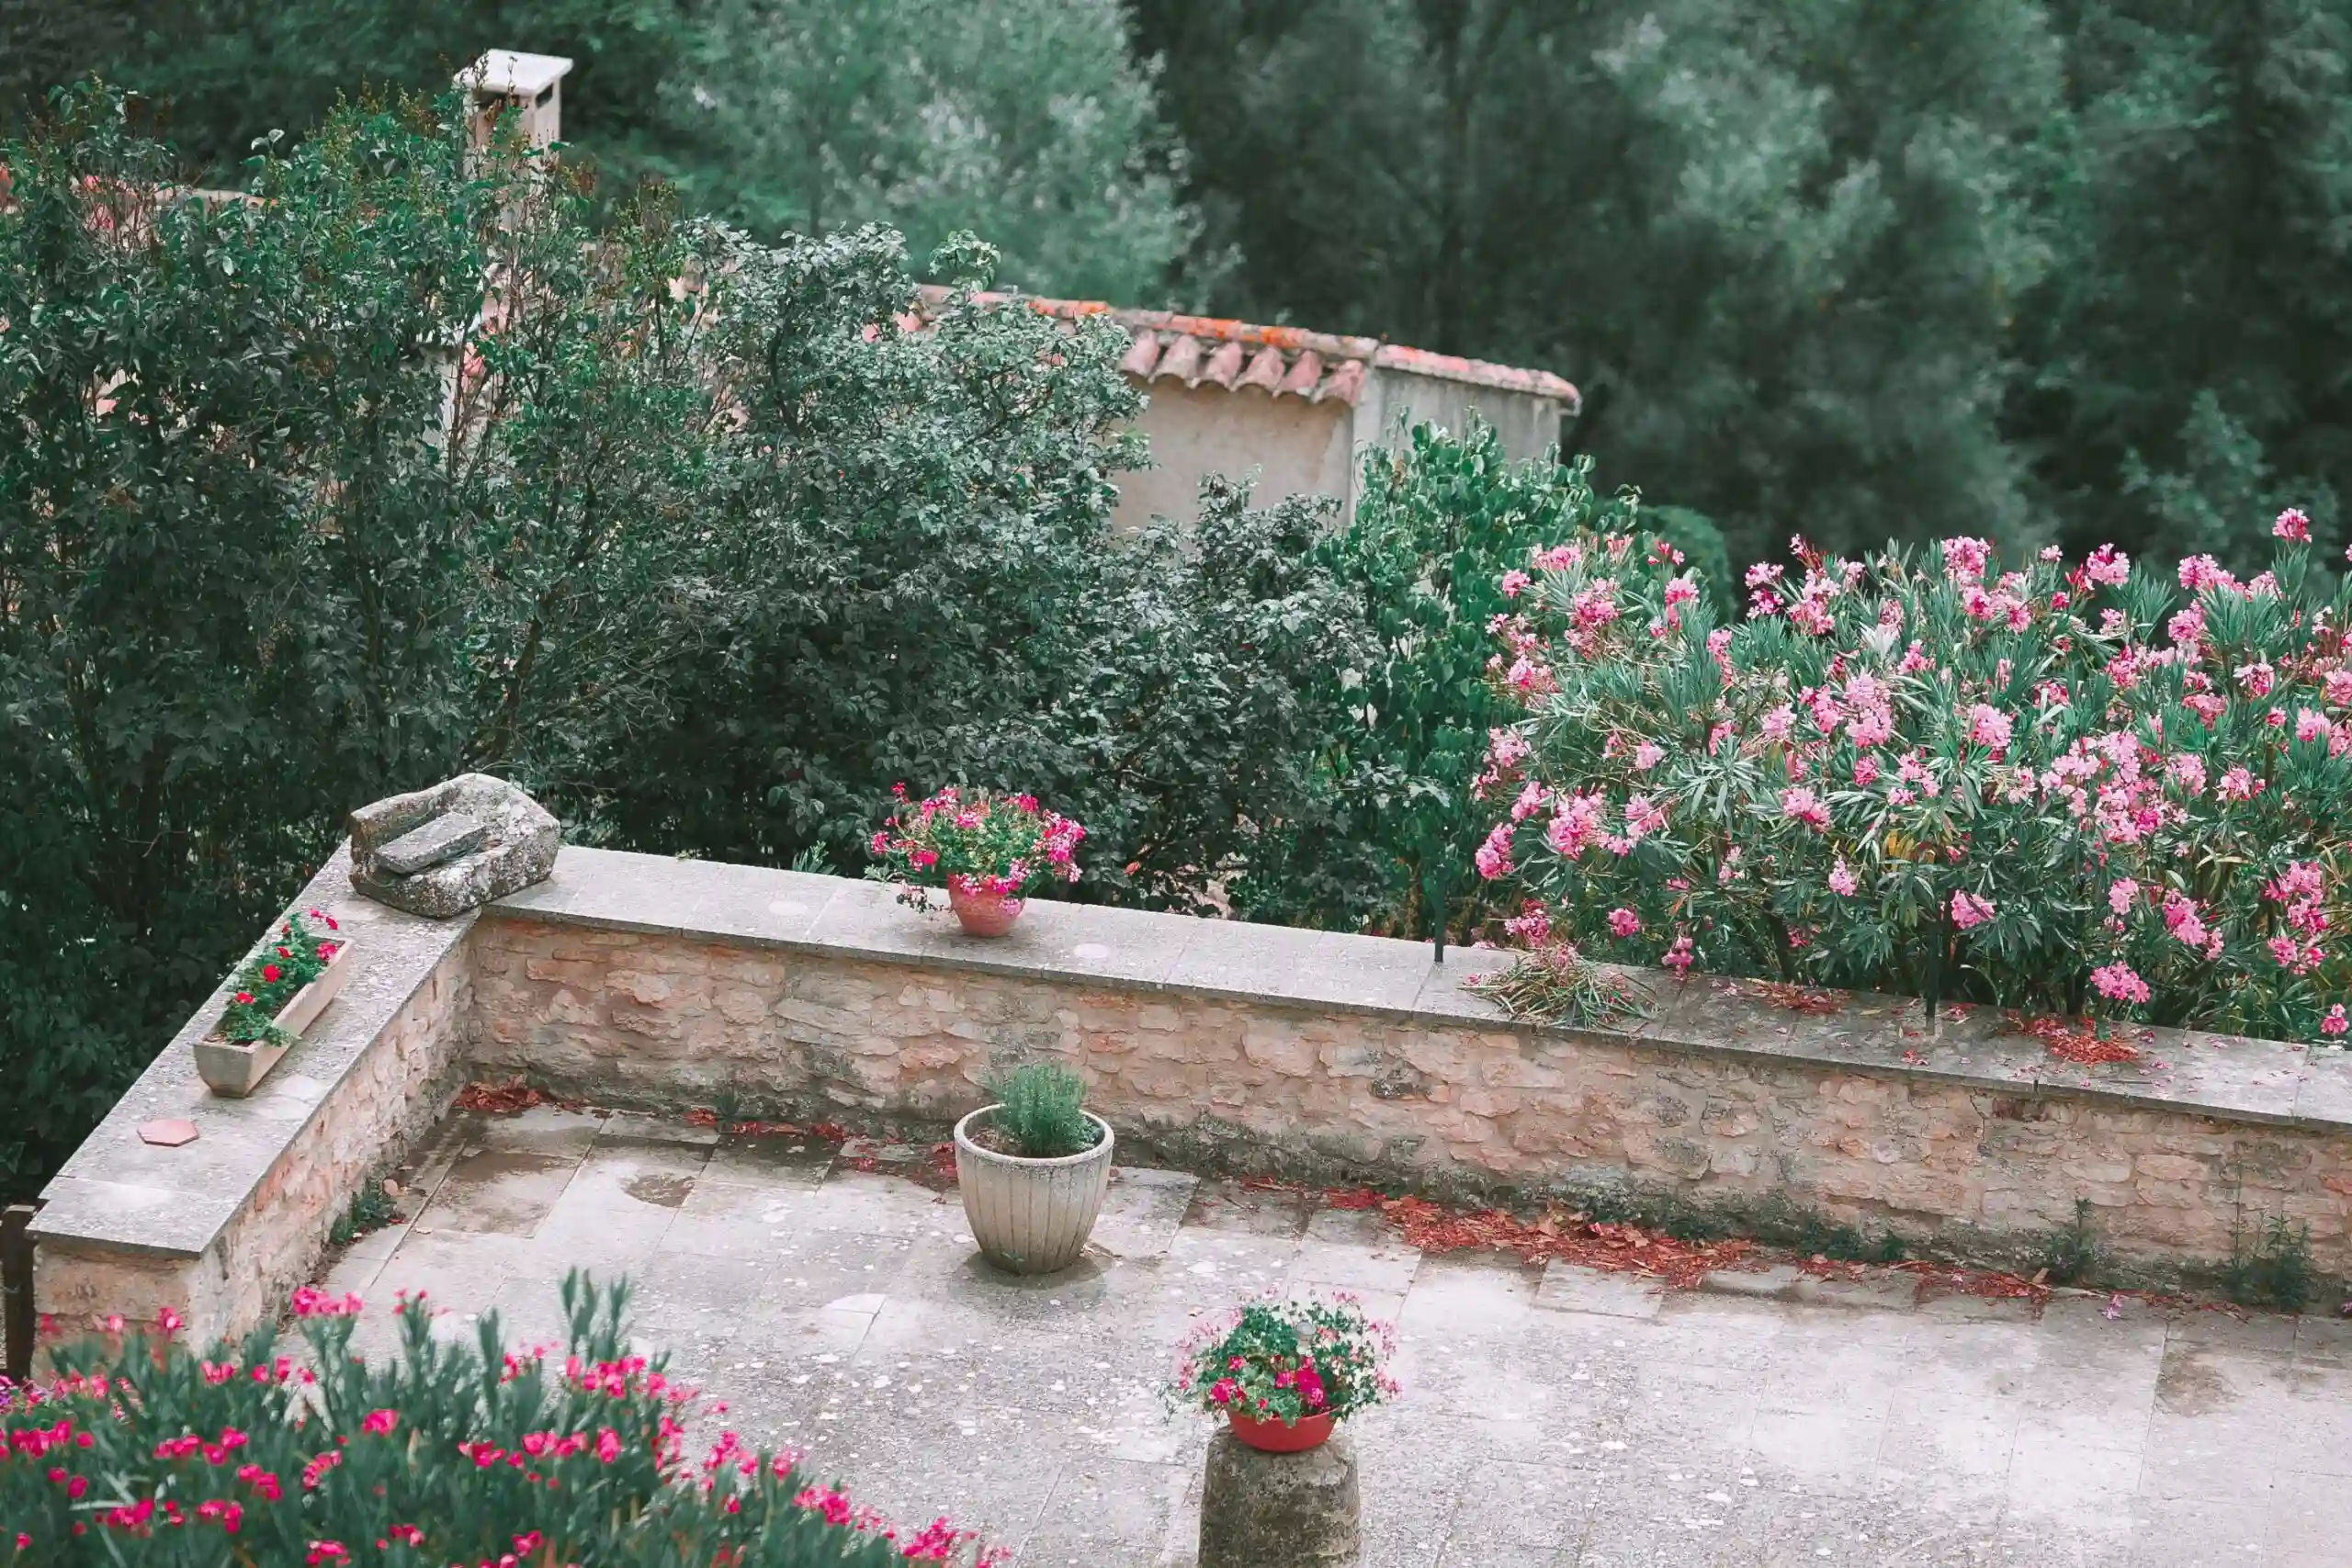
pixel 1553 1418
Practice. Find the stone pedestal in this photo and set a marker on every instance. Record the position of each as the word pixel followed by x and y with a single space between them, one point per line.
pixel 1262 1510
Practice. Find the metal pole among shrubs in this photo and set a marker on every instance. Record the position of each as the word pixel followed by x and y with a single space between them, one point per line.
pixel 16 1320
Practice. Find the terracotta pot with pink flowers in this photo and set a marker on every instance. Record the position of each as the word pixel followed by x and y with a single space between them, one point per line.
pixel 984 849
pixel 1283 1373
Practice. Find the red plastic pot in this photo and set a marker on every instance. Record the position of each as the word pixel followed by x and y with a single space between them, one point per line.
pixel 1274 1437
pixel 983 914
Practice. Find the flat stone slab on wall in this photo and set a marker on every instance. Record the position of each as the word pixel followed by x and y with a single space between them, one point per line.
pixel 640 979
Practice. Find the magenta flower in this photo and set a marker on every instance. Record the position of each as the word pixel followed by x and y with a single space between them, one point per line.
pixel 1624 921
pixel 1493 858
pixel 1969 911
pixel 1841 879
pixel 2293 526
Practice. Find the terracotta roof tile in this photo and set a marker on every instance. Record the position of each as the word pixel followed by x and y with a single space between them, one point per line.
pixel 1142 355
pixel 1286 361
pixel 1182 357
pixel 1223 365
pixel 1265 371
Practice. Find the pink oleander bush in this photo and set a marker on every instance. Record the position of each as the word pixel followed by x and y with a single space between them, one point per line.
pixel 145 1450
pixel 2060 788
pixel 973 841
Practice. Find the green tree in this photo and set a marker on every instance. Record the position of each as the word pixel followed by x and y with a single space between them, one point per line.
pixel 2188 352
pixel 1778 246
pixel 1023 120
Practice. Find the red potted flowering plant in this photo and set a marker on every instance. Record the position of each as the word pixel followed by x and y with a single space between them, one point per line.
pixel 986 850
pixel 1282 1374
pixel 276 993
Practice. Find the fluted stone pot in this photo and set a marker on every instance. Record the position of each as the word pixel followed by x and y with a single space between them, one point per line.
pixel 1030 1216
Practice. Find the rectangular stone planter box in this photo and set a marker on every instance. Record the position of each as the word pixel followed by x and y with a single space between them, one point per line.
pixel 235 1070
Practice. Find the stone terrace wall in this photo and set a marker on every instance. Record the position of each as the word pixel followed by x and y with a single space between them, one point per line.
pixel 640 980
pixel 223 1228
pixel 636 979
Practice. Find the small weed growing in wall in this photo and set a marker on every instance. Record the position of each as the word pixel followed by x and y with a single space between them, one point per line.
pixel 2072 1253
pixel 1039 1114
pixel 371 1210
pixel 2272 1267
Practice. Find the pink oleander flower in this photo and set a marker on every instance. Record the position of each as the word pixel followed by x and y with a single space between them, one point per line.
pixel 1531 925
pixel 1624 921
pixel 1988 727
pixel 1841 879
pixel 1865 771
pixel 1647 755
pixel 2188 771
pixel 1969 911
pixel 1678 956
pixel 1966 559
pixel 2107 567
pixel 1778 724
pixel 1803 806
pixel 2240 784
pixel 1514 583
pixel 2334 1023
pixel 2292 524
pixel 2116 982
pixel 1505 749
pixel 2311 725
pixel 1559 558
pixel 2255 678
pixel 2120 893
pixel 1493 858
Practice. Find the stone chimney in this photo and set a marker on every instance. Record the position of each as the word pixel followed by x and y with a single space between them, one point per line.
pixel 531 85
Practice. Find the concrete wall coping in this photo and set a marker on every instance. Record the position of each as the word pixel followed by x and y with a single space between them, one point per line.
pixel 2229 1078
pixel 126 1195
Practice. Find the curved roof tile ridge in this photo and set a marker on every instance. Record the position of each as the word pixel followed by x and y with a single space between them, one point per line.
pixel 1307 364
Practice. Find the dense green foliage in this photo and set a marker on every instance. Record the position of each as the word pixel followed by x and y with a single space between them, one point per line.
pixel 2017 269
pixel 1025 120
pixel 1388 841
pixel 320 496
pixel 144 1449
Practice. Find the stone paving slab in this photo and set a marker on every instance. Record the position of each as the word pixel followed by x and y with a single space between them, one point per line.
pixel 1554 1418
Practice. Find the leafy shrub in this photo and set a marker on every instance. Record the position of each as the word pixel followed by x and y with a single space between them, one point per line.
pixel 1436 527
pixel 142 1450
pixel 2049 788
pixel 1039 1110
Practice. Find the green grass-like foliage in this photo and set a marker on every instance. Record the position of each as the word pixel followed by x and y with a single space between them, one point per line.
pixel 148 1451
pixel 2271 1266
pixel 1553 985
pixel 1040 1107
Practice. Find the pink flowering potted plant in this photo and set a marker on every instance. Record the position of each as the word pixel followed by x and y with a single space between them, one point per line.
pixel 986 848
pixel 275 994
pixel 1283 1373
